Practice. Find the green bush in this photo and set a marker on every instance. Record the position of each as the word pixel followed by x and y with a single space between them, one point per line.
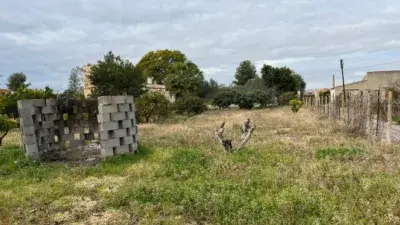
pixel 344 153
pixel 224 99
pixel 260 97
pixel 8 102
pixel 6 124
pixel 285 98
pixel 189 105
pixel 295 105
pixel 153 106
pixel 245 100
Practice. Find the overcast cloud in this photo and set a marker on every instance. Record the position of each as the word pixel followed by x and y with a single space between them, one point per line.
pixel 46 38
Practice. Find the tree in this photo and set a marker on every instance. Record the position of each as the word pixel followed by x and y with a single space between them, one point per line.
pixel 158 64
pixel 225 98
pixel 282 79
pixel 300 83
pixel 6 124
pixel 153 106
pixel 190 104
pixel 115 76
pixel 245 100
pixel 245 72
pixel 16 81
pixel 75 89
pixel 184 78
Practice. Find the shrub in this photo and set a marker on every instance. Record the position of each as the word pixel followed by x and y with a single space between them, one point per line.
pixel 245 100
pixel 260 97
pixel 285 98
pixel 6 124
pixel 295 105
pixel 8 102
pixel 153 106
pixel 225 98
pixel 189 105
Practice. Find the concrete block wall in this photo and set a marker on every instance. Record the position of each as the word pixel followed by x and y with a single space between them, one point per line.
pixel 117 125
pixel 46 127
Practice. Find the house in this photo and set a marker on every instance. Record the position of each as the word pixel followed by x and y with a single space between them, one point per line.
pixel 151 86
pixel 373 81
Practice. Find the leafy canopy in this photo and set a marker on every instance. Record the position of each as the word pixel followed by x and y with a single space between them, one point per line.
pixel 16 81
pixel 159 64
pixel 282 79
pixel 244 72
pixel 184 78
pixel 115 76
pixel 153 106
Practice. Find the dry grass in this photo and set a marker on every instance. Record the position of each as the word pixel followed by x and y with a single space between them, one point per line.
pixel 296 170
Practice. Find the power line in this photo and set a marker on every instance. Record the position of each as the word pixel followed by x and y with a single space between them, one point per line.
pixel 381 64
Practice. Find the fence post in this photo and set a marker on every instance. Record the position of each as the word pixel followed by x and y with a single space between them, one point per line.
pixel 389 117
pixel 367 97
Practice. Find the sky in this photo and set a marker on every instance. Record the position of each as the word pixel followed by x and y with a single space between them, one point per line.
pixel 45 39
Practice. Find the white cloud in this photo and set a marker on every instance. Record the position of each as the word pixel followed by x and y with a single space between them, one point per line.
pixel 308 36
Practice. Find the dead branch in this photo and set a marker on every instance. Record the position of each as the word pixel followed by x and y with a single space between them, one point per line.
pixel 226 144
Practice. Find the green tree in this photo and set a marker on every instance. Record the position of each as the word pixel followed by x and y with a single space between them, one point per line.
pixel 153 106
pixel 158 64
pixel 190 104
pixel 225 98
pixel 75 89
pixel 245 71
pixel 115 76
pixel 6 124
pixel 209 89
pixel 184 78
pixel 282 79
pixel 16 81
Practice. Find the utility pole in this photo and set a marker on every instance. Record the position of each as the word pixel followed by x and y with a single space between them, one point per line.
pixel 344 91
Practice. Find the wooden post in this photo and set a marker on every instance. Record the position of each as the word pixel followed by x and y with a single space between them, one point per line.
pixel 368 103
pixel 389 117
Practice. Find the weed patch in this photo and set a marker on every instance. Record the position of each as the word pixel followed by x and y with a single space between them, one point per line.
pixel 343 153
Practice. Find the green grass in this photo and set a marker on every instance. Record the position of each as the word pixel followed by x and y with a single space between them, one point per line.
pixel 281 178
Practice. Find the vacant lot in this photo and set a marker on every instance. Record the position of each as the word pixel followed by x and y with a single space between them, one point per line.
pixel 296 169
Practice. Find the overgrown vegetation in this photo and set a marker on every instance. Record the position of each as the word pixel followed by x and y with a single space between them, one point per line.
pixel 295 170
pixel 295 105
pixel 189 105
pixel 153 106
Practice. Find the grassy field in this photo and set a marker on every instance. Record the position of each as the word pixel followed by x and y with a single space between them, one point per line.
pixel 296 169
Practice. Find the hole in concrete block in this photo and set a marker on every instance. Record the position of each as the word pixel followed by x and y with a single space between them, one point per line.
pixel 114 150
pixel 56 139
pixel 128 131
pixel 75 109
pixel 66 130
pixel 85 116
pixel 86 130
pixel 67 144
pixel 43 117
pixel 134 138
pixel 120 124
pixel 65 116
pixel 121 141
pixel 96 136
pixel 130 148
pixel 126 115
pixel 132 123
pixel 111 134
pixel 41 141
pixel 130 107
pixel 77 136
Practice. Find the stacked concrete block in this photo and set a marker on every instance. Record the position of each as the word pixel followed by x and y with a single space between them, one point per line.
pixel 117 125
pixel 30 117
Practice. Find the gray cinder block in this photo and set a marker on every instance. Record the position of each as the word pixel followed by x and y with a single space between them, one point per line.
pixel 133 147
pixel 126 123
pixel 39 102
pixel 26 103
pixel 120 133
pixel 28 130
pixel 129 99
pixel 105 152
pixel 118 116
pixel 110 143
pixel 44 132
pixel 26 122
pixel 131 115
pixel 109 100
pixel 123 107
pixel 119 99
pixel 128 140
pixel 49 109
pixel 107 109
pixel 122 149
pixel 51 102
pixel 108 126
pixel 102 118
pixel 48 124
pixel 29 139
pixel 27 112
pixel 32 151
pixel 131 131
